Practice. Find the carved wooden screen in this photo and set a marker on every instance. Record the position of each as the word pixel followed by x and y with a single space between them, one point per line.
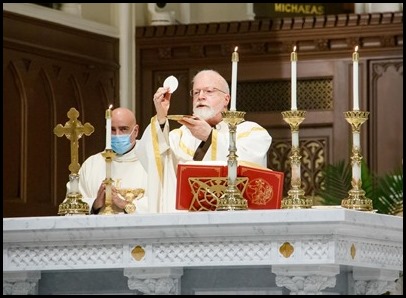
pixel 325 45
pixel 47 69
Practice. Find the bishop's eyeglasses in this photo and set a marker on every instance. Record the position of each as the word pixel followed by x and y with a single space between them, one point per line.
pixel 209 91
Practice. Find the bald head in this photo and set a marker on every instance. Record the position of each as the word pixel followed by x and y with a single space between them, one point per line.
pixel 123 115
pixel 123 122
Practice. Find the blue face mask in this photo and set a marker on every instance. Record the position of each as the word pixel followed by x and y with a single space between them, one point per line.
pixel 121 143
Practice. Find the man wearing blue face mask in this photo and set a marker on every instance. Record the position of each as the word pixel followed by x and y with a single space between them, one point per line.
pixel 130 179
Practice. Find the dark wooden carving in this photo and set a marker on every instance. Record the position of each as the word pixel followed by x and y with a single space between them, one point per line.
pixel 385 142
pixel 47 69
pixel 325 45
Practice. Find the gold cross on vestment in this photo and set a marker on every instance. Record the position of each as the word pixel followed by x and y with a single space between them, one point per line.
pixel 73 130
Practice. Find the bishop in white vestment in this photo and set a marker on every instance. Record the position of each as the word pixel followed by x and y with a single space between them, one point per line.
pixel 161 150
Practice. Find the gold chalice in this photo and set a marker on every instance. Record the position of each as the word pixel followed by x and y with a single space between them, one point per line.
pixel 131 194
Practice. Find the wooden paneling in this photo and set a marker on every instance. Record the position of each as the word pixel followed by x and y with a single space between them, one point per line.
pixel 325 45
pixel 385 142
pixel 47 69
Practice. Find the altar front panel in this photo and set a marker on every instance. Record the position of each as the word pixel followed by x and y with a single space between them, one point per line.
pixel 332 239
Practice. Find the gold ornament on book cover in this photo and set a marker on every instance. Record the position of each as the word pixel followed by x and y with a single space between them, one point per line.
pixel 207 191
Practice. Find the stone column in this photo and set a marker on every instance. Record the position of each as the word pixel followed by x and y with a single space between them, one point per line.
pixel 126 25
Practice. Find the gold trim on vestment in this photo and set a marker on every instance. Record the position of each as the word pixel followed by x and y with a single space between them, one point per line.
pixel 182 145
pixel 247 133
pixel 214 143
pixel 155 144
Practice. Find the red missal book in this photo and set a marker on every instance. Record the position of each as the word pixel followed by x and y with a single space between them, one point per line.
pixel 199 184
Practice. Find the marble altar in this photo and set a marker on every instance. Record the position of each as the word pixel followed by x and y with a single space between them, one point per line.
pixel 289 251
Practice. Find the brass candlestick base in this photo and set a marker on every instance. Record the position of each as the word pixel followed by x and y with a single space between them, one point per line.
pixel 73 204
pixel 296 198
pixel 356 199
pixel 108 208
pixel 232 198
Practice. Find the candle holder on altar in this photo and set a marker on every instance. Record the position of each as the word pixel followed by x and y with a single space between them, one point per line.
pixel 73 204
pixel 296 198
pixel 356 199
pixel 232 198
pixel 108 207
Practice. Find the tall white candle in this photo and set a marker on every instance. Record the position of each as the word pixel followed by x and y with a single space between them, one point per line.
pixel 293 59
pixel 234 60
pixel 355 58
pixel 108 128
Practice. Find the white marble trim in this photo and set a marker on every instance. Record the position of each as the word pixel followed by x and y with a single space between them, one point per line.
pixel 204 224
pixel 238 238
pixel 61 17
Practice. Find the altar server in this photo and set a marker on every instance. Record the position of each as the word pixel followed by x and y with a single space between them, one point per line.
pixel 129 194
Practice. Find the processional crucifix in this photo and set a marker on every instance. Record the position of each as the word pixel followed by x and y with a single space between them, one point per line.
pixel 73 130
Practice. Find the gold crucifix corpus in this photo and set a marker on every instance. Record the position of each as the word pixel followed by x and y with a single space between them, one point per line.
pixel 73 130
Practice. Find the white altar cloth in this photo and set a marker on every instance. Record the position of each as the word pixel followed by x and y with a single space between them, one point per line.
pixel 294 242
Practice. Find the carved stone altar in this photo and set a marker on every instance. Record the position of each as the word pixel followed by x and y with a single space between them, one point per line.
pixel 302 251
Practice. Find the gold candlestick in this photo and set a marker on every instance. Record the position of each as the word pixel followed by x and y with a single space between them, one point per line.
pixel 232 198
pixel 108 207
pixel 296 198
pixel 356 199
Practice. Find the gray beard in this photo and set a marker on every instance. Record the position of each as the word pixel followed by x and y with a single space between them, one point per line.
pixel 205 113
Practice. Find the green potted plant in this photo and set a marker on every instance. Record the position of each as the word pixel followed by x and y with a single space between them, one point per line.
pixel 386 191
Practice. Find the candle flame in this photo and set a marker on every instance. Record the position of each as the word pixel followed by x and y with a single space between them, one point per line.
pixel 235 49
pixel 110 107
pixel 356 48
pixel 294 49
